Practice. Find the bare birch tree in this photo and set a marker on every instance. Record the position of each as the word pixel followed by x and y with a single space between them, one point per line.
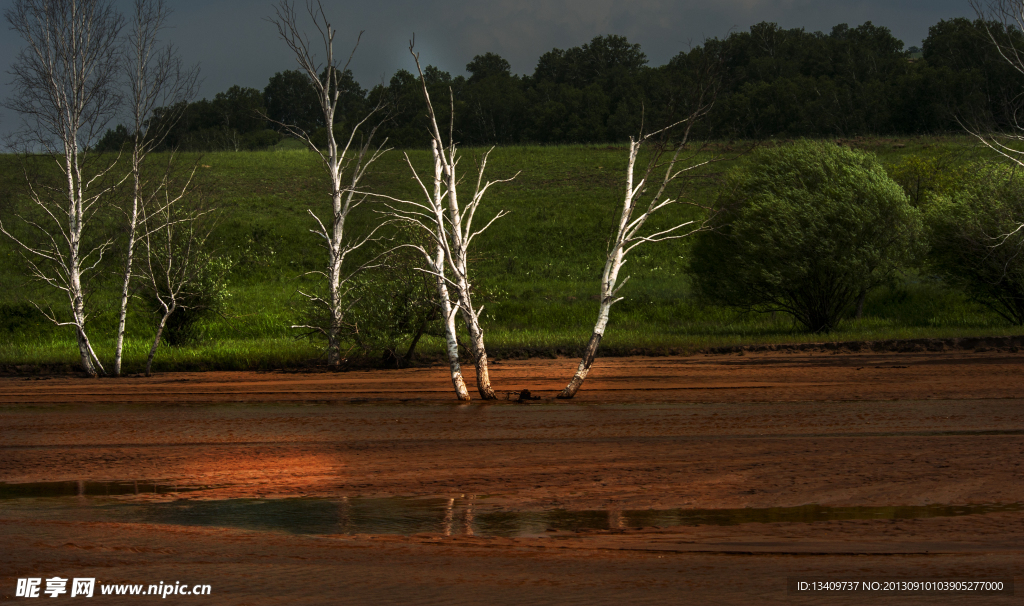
pixel 643 199
pixel 430 217
pixel 346 163
pixel 155 78
pixel 1010 14
pixel 65 91
pixel 450 225
pixel 178 270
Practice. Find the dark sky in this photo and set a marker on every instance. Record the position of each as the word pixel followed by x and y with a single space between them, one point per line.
pixel 235 45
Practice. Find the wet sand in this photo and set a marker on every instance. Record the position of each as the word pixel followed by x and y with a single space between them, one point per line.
pixel 708 432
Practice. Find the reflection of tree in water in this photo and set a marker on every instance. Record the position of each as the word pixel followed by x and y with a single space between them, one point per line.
pixel 467 517
pixel 615 519
pixel 344 515
pixel 448 517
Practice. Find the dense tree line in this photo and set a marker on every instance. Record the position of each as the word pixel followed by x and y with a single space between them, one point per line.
pixel 774 82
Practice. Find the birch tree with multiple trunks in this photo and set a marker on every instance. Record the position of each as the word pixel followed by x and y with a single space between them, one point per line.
pixel 155 78
pixel 449 224
pixel 65 89
pixel 346 165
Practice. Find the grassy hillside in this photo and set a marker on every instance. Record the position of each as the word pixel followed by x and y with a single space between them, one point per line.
pixel 536 270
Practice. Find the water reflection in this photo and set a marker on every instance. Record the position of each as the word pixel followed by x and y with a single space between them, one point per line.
pixel 463 516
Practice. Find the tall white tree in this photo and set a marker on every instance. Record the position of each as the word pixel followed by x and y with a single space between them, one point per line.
pixel 644 197
pixel 449 222
pixel 156 78
pixel 65 90
pixel 670 154
pixel 346 163
pixel 456 221
pixel 1009 15
pixel 430 216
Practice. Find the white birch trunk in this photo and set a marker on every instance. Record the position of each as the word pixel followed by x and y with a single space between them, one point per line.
pixel 450 226
pixel 476 345
pixel 451 341
pixel 64 88
pixel 437 266
pixel 86 355
pixel 334 249
pixel 609 278
pixel 337 160
pixel 156 78
pixel 627 237
pixel 76 293
pixel 159 333
pixel 458 247
pixel 133 223
pixel 608 288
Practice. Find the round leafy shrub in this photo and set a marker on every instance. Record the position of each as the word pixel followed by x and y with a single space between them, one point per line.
pixel 805 229
pixel 202 296
pixel 977 240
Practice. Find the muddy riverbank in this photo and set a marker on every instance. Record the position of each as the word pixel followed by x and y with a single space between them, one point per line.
pixel 753 432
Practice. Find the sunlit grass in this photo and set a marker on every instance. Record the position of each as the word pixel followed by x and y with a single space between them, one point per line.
pixel 536 271
pixel 224 354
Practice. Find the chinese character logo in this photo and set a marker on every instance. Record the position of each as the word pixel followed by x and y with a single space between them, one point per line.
pixel 83 587
pixel 28 588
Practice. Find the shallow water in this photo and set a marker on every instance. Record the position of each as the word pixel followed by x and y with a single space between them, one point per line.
pixel 100 501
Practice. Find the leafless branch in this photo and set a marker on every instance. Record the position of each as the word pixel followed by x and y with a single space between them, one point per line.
pixel 353 157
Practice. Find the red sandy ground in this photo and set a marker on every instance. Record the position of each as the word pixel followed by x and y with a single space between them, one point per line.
pixel 710 432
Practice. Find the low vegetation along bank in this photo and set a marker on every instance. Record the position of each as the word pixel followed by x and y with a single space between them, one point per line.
pixel 537 270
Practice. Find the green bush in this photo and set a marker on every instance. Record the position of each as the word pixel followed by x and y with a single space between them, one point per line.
pixel 261 139
pixel 923 177
pixel 392 308
pixel 977 242
pixel 805 229
pixel 388 306
pixel 202 298
pixel 16 317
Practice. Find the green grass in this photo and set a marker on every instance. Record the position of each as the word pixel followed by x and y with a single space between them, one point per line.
pixel 537 270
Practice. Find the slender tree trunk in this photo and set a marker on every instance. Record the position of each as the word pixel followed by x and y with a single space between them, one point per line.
pixel 604 311
pixel 334 330
pixel 335 245
pixel 479 352
pixel 477 347
pixel 469 315
pixel 583 369
pixel 156 340
pixel 860 303
pixel 133 221
pixel 63 84
pixel 74 279
pixel 78 313
pixel 453 233
pixel 75 291
pixel 85 353
pixel 609 277
pixel 89 360
pixel 409 353
pixel 451 340
pixel 483 376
